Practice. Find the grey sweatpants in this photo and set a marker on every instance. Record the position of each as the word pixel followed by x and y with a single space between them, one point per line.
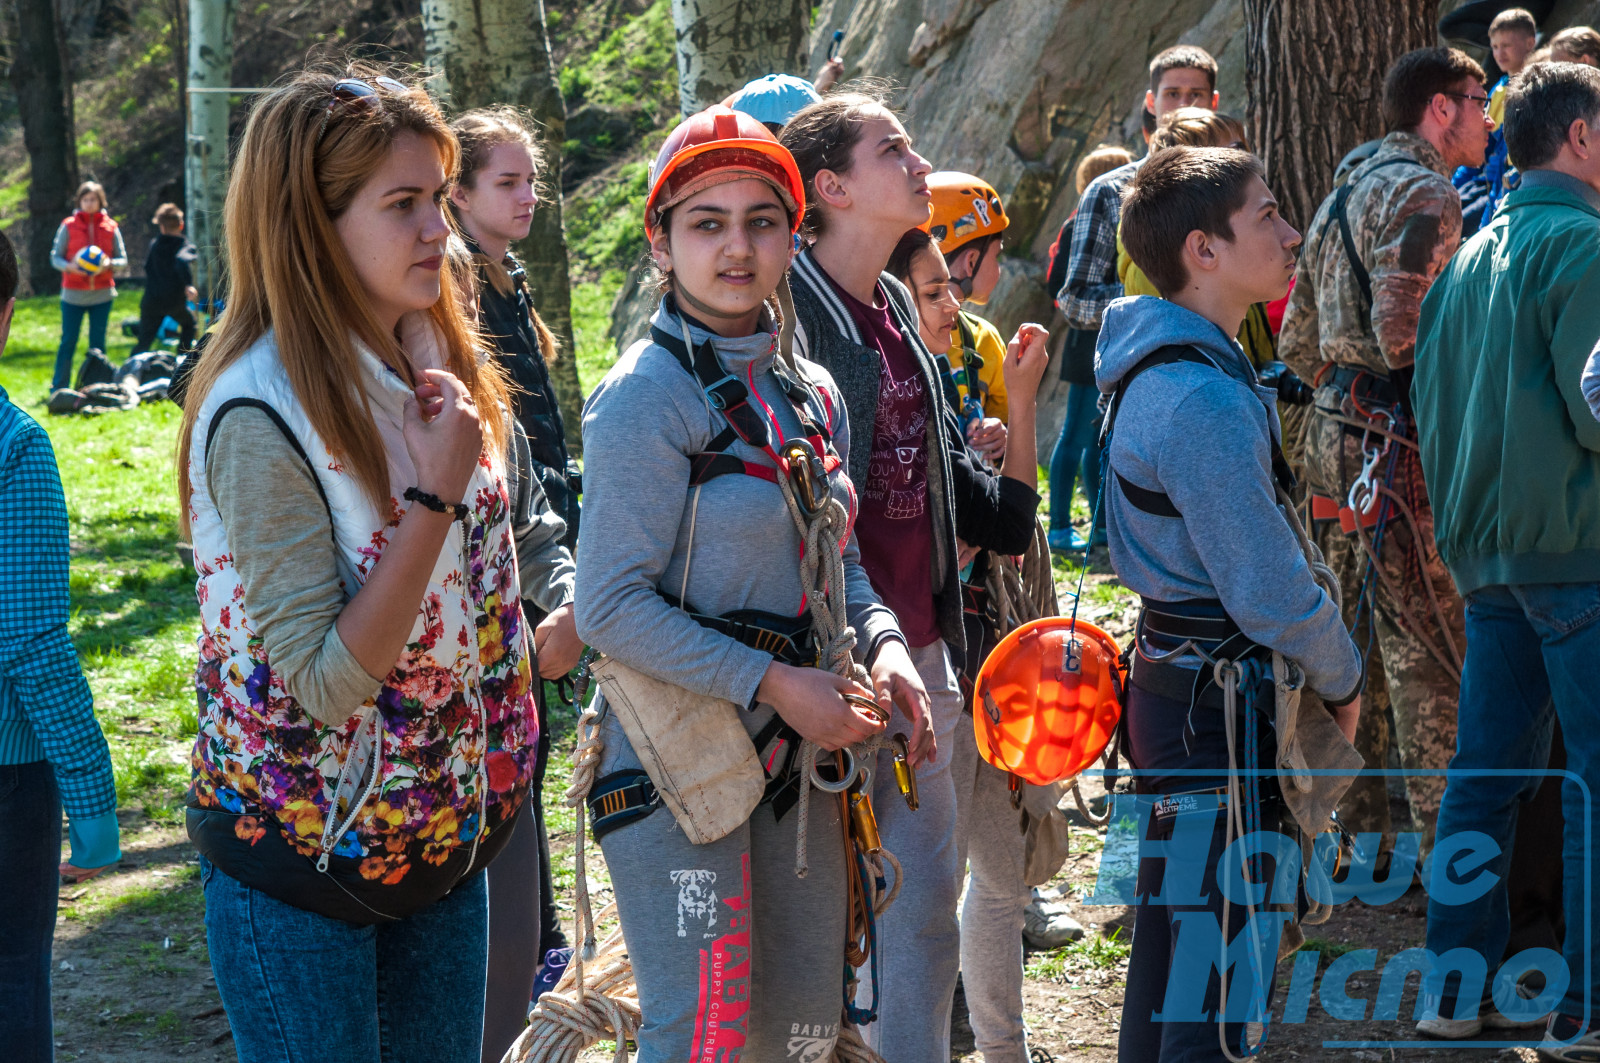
pixel 735 957
pixel 990 840
pixel 919 941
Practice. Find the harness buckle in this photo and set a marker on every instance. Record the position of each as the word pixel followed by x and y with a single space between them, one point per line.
pixel 723 396
pixel 807 476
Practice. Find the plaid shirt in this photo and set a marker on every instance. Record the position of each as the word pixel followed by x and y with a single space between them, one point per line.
pixel 1092 260
pixel 46 710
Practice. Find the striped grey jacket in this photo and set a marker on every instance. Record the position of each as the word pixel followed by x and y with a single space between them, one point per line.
pixel 828 335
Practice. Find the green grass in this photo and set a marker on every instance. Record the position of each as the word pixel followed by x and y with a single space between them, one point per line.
pixel 634 64
pixel 1093 950
pixel 133 613
pixel 591 325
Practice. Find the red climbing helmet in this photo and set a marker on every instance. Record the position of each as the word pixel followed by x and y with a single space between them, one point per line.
pixel 1048 699
pixel 715 146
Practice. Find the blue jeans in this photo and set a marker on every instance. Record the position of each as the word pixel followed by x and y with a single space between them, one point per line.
pixel 302 988
pixel 30 839
pixel 71 326
pixel 1531 651
pixel 1076 448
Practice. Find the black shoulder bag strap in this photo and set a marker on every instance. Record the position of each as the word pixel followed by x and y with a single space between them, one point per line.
pixel 277 420
pixel 1339 212
pixel 1158 503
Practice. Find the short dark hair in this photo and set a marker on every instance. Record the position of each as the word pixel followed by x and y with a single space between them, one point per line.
pixel 1417 77
pixel 1516 18
pixel 169 216
pixel 8 268
pixel 1542 102
pixel 1183 57
pixel 1177 191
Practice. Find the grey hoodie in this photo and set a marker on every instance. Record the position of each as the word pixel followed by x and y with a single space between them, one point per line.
pixel 1200 437
pixel 641 427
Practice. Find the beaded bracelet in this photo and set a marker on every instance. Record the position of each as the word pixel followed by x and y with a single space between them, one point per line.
pixel 437 504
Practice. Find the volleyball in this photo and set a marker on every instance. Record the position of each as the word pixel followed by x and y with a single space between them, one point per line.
pixel 91 260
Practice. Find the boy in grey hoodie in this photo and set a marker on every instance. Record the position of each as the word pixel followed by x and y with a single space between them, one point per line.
pixel 1196 530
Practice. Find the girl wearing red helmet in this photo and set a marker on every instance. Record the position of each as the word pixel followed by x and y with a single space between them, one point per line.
pixel 925 497
pixel 693 580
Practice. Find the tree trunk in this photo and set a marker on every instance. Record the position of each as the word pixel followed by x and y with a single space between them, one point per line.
pixel 206 160
pixel 496 51
pixel 1314 77
pixel 40 77
pixel 722 44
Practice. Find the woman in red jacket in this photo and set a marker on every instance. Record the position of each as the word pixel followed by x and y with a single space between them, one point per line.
pixel 87 284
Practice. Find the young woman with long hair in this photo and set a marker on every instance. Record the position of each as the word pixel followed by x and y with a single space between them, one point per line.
pixel 493 201
pixel 927 507
pixel 367 726
pixel 697 583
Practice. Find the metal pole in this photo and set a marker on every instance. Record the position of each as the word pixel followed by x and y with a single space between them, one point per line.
pixel 206 158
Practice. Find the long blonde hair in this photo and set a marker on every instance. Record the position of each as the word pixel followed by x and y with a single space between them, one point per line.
pixel 298 167
pixel 479 132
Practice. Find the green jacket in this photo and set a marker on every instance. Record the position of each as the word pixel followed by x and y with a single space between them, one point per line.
pixel 1509 448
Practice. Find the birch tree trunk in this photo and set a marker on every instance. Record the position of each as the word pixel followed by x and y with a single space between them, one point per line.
pixel 205 171
pixel 40 76
pixel 722 44
pixel 1314 78
pixel 496 51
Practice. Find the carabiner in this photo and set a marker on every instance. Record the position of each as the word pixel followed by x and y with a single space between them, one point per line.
pixel 807 476
pixel 905 776
pixel 861 701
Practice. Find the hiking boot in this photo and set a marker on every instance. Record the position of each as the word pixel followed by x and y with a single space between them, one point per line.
pixel 550 971
pixel 1048 926
pixel 1067 541
pixel 1567 1040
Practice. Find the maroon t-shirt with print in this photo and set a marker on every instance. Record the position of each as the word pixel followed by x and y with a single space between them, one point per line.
pixel 895 525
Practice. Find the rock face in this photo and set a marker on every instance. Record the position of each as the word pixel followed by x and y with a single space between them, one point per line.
pixel 1018 91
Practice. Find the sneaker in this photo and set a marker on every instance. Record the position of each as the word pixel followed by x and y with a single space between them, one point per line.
pixel 1067 541
pixel 1442 1029
pixel 1566 1040
pixel 1048 926
pixel 550 971
pixel 1493 1020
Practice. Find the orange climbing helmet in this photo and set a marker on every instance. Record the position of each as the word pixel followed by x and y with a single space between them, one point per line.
pixel 1048 699
pixel 716 146
pixel 964 208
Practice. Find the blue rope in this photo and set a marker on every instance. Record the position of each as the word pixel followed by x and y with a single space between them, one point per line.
pixel 1252 673
pixel 863 1016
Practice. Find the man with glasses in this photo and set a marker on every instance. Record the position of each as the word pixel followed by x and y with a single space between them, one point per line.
pixel 1370 254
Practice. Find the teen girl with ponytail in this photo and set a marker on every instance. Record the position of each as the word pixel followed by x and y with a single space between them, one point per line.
pixel 367 725
pixel 734 955
pixel 493 202
pixel 927 506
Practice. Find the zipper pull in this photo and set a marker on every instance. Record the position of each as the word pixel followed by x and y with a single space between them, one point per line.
pixel 322 863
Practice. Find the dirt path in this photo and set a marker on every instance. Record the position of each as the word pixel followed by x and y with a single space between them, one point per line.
pixel 133 982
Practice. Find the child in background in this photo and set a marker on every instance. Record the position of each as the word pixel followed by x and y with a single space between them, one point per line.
pixel 168 282
pixel 87 249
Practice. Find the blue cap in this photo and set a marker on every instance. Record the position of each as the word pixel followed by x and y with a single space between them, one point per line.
pixel 774 99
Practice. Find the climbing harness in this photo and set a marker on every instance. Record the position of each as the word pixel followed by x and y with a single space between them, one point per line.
pixel 596 997
pixel 1372 503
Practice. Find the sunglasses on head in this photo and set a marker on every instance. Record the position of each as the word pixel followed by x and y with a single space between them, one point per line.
pixel 357 93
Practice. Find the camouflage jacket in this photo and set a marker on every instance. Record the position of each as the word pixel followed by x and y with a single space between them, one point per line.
pixel 1406 223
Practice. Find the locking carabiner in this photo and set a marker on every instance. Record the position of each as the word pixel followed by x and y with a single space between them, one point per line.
pixel 808 477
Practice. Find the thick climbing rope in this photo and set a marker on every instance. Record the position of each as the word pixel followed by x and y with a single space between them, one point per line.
pixel 597 997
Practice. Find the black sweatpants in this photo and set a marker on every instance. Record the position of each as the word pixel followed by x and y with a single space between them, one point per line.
pixel 153 312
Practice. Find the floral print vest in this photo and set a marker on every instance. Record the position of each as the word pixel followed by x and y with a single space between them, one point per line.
pixel 381 815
